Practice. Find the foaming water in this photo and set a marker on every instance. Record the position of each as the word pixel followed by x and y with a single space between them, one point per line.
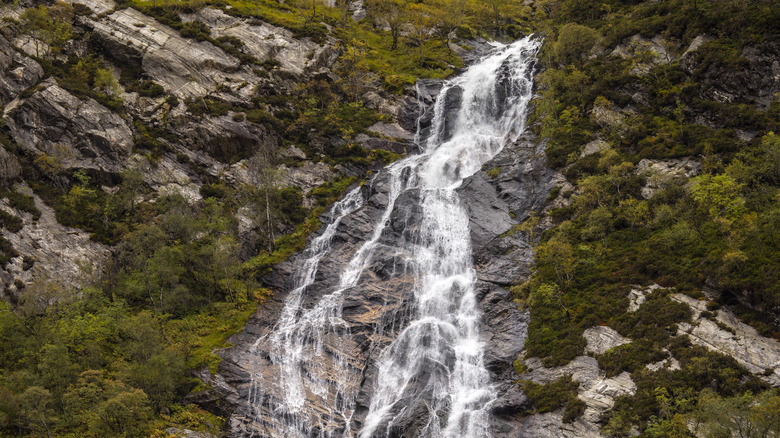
pixel 309 388
pixel 442 345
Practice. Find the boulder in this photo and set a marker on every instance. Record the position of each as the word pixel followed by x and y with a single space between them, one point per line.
pixel 602 338
pixel 594 147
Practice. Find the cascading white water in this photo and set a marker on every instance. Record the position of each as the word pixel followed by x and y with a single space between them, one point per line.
pixel 442 344
pixel 437 358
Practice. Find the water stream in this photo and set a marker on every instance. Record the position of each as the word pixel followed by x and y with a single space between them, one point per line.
pixel 433 369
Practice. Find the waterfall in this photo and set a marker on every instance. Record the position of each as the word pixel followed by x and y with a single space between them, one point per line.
pixel 431 372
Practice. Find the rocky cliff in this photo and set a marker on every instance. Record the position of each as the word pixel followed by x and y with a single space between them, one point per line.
pixel 375 307
pixel 155 133
pixel 150 116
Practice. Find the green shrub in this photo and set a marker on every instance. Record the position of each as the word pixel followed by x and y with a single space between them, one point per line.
pixel 148 89
pixel 22 202
pixel 574 43
pixel 561 393
pixel 209 106
pixel 7 251
pixel 574 409
pixel 195 29
pixel 494 172
pixel 10 222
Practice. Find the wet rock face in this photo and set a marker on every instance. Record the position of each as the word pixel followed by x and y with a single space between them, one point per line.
pixel 376 301
pixel 83 133
pixel 379 306
pixel 503 258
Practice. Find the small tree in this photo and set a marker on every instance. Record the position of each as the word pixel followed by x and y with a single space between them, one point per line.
pixel 422 22
pixel 37 411
pixel 555 260
pixel 107 84
pixel 307 9
pixel 265 178
pixel 720 196
pixel 391 14
pixel 574 43
pixel 353 69
pixel 451 14
pixel 52 26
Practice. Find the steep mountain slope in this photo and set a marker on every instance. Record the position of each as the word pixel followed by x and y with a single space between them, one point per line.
pixel 162 160
pixel 660 115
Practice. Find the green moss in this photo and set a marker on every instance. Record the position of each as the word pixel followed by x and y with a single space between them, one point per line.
pixel 519 366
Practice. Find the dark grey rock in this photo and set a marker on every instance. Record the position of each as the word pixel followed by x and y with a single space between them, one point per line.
pixel 17 72
pixel 377 308
pixel 757 81
pixel 82 133
pixel 9 165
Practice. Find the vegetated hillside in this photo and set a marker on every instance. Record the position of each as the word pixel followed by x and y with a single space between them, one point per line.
pixel 159 158
pixel 664 118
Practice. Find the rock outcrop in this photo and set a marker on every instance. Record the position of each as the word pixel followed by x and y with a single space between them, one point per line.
pixel 267 43
pixel 726 334
pixel 17 72
pixel 54 253
pixel 638 295
pixel 81 133
pixel 756 81
pixel 595 389
pixel 602 338
pixel 659 172
pixel 375 308
pixel 184 67
pixel 9 165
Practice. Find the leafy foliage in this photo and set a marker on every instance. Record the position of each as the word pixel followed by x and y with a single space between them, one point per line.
pixel 614 234
pixel 561 393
